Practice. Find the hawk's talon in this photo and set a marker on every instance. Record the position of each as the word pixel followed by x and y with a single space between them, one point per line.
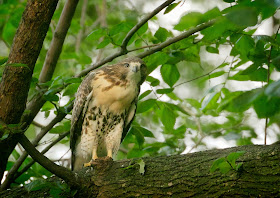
pixel 89 164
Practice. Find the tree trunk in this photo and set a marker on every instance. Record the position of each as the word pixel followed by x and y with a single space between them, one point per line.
pixel 17 75
pixel 180 176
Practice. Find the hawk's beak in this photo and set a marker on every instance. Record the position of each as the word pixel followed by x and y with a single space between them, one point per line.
pixel 135 69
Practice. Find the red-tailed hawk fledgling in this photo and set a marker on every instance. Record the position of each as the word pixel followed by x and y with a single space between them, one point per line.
pixel 104 108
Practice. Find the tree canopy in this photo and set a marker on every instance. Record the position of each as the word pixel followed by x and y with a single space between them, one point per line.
pixel 213 74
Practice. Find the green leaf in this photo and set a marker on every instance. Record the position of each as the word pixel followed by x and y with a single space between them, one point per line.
pixel 232 157
pixel 96 34
pixel 243 16
pixel 141 166
pixel 50 95
pixel 143 29
pixel 61 128
pixel 273 89
pixel 165 91
pixel 143 95
pixel 84 59
pixel 243 45
pixel 171 7
pixel 104 43
pixel 145 132
pixel 8 32
pixel 211 14
pixel 121 27
pixel 222 28
pixel 161 34
pixel 71 89
pixel 4 136
pixel 168 118
pixel 189 20
pixel 139 137
pixel 212 49
pixel 154 82
pixel 240 101
pixel 211 98
pixel 266 106
pixel 3 60
pixel 216 74
pixel 156 59
pixel 144 106
pixel 216 164
pixel 222 165
pixel 37 185
pixel 170 74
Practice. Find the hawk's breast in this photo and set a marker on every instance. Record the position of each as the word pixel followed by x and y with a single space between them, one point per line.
pixel 113 93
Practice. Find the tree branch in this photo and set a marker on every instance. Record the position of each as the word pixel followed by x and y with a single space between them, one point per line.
pixel 16 80
pixel 123 49
pixel 10 176
pixel 34 106
pixel 46 149
pixel 82 23
pixel 142 22
pixel 68 176
pixel 181 176
pixel 176 39
pixel 58 40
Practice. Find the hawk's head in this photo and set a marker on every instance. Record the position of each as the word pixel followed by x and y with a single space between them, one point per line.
pixel 136 69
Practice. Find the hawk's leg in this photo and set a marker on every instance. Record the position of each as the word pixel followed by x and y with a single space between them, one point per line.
pixel 94 157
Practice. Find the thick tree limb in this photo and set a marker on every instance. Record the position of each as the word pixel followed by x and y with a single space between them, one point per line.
pixel 183 176
pixel 16 79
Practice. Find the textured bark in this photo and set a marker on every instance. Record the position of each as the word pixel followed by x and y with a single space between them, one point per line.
pixel 16 79
pixel 181 176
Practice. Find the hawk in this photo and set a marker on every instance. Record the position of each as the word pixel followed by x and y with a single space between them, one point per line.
pixel 103 110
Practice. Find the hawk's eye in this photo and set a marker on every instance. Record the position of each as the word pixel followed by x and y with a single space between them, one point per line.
pixel 126 64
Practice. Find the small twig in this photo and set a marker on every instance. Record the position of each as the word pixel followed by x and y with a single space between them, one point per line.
pixel 177 38
pixel 142 22
pixel 82 23
pixel 143 47
pixel 196 78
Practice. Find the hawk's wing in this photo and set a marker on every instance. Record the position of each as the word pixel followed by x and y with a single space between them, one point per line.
pixel 129 118
pixel 83 96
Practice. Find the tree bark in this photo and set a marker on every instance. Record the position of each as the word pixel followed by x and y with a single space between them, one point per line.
pixel 18 72
pixel 181 176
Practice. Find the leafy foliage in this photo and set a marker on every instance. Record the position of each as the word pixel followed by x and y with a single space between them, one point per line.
pixel 225 164
pixel 187 96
